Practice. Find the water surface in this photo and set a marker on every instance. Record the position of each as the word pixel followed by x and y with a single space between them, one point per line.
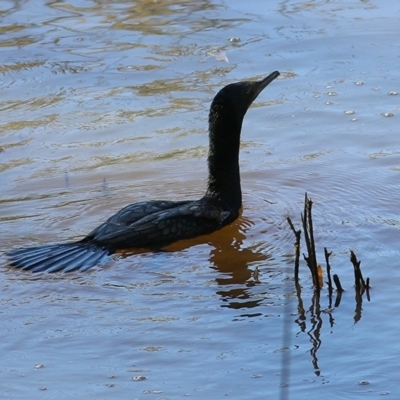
pixel 105 104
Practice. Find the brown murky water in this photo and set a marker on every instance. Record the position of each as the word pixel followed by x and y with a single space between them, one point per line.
pixel 105 104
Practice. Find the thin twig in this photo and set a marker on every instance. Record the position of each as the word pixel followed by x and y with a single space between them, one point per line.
pixel 339 287
pixel 367 287
pixel 297 249
pixel 309 238
pixel 328 271
pixel 358 278
pixel 311 229
pixel 339 290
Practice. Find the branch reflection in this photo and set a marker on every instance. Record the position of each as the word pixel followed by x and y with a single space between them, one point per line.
pixel 316 313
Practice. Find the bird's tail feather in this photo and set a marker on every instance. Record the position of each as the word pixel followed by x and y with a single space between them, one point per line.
pixel 64 257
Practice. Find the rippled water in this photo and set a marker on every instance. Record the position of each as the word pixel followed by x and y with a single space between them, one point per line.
pixel 104 103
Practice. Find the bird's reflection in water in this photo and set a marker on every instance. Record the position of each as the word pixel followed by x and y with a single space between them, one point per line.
pixel 235 261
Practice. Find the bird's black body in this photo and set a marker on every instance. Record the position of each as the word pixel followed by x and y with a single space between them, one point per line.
pixel 154 224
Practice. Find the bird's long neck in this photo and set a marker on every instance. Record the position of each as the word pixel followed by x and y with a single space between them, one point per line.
pixel 223 158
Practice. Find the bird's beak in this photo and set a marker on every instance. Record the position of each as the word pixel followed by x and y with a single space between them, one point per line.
pixel 261 85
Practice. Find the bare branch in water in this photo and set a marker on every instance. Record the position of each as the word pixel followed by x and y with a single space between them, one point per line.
pixel 297 250
pixel 316 270
pixel 337 283
pixel 358 278
pixel 311 259
pixel 339 290
pixel 328 271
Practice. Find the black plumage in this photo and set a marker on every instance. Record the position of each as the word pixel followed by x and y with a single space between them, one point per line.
pixel 154 224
